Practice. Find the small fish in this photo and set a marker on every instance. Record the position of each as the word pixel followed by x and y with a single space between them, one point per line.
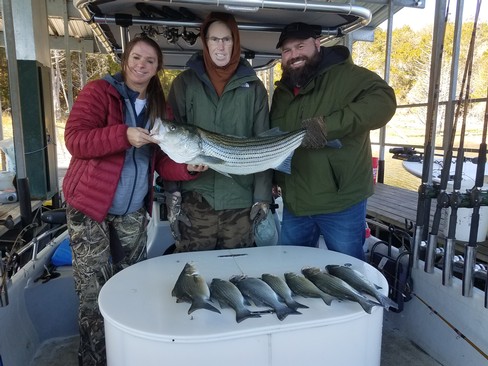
pixel 261 294
pixel 228 295
pixel 281 288
pixel 357 280
pixel 191 287
pixel 185 143
pixel 302 286
pixel 336 287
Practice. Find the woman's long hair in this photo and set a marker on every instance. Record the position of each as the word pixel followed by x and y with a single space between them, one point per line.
pixel 155 97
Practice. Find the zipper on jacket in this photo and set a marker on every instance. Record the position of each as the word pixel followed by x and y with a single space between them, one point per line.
pixel 133 118
pixel 134 183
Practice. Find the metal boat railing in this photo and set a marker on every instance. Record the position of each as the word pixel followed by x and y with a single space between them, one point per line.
pixel 8 266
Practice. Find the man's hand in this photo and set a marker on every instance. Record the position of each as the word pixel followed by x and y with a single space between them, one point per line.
pixel 259 211
pixel 316 136
pixel 175 214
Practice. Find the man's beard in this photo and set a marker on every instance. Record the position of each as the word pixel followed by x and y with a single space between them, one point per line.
pixel 299 77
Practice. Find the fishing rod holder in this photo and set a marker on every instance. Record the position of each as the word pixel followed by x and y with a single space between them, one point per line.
pixel 468 270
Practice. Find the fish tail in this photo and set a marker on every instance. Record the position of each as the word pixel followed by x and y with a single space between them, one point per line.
pixel 387 303
pixel 245 314
pixel 202 304
pixel 327 298
pixel 367 305
pixel 283 312
pixel 295 304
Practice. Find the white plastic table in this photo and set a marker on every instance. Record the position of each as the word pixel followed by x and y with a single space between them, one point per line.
pixel 145 326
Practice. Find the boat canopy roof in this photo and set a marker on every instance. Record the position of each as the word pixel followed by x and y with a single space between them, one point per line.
pixel 175 24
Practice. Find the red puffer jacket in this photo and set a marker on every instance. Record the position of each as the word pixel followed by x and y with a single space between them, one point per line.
pixel 96 137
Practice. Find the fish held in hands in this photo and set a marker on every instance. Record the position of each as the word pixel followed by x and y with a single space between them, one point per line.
pixel 226 154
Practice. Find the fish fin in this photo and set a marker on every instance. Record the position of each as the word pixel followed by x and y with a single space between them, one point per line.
pixel 209 160
pixel 283 312
pixel 388 303
pixel 245 314
pixel 327 298
pixel 272 132
pixel 221 172
pixel 202 304
pixel 367 305
pixel 295 305
pixel 285 166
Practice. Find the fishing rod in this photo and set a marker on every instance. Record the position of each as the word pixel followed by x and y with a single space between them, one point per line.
pixel 425 188
pixel 443 199
pixel 470 248
pixel 485 124
pixel 454 199
pixel 454 203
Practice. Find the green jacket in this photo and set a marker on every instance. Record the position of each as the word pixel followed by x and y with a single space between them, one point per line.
pixel 242 110
pixel 353 101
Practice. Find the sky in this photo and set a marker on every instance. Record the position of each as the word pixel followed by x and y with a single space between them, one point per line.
pixel 420 18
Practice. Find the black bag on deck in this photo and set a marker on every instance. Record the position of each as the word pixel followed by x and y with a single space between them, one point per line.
pixel 395 266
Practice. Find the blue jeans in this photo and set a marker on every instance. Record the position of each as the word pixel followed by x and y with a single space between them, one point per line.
pixel 342 231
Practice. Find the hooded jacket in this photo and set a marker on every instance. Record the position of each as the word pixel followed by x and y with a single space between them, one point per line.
pixel 96 137
pixel 242 110
pixel 353 101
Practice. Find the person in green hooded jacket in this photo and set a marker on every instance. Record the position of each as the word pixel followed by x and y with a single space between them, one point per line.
pixel 322 89
pixel 221 92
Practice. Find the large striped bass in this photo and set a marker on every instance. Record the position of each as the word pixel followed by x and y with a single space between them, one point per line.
pixel 225 154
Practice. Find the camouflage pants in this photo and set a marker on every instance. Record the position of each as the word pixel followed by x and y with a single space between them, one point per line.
pixel 211 229
pixel 92 267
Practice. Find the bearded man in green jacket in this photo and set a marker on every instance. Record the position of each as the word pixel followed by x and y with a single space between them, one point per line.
pixel 327 190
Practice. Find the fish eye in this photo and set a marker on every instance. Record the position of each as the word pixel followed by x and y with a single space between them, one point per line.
pixel 172 128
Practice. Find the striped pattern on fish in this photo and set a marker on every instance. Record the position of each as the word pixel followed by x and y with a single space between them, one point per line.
pixel 361 283
pixel 337 287
pixel 302 286
pixel 228 295
pixel 228 154
pixel 261 294
pixel 282 290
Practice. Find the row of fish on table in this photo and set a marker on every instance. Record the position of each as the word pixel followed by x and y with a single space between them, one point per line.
pixel 276 294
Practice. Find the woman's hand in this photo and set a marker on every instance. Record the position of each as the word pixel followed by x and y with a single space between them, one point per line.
pixel 139 137
pixel 196 168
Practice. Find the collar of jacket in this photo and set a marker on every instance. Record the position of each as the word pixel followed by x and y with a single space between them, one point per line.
pixel 197 65
pixel 118 83
pixel 330 56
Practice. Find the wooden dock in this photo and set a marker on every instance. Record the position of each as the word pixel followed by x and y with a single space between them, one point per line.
pixel 13 210
pixel 393 205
